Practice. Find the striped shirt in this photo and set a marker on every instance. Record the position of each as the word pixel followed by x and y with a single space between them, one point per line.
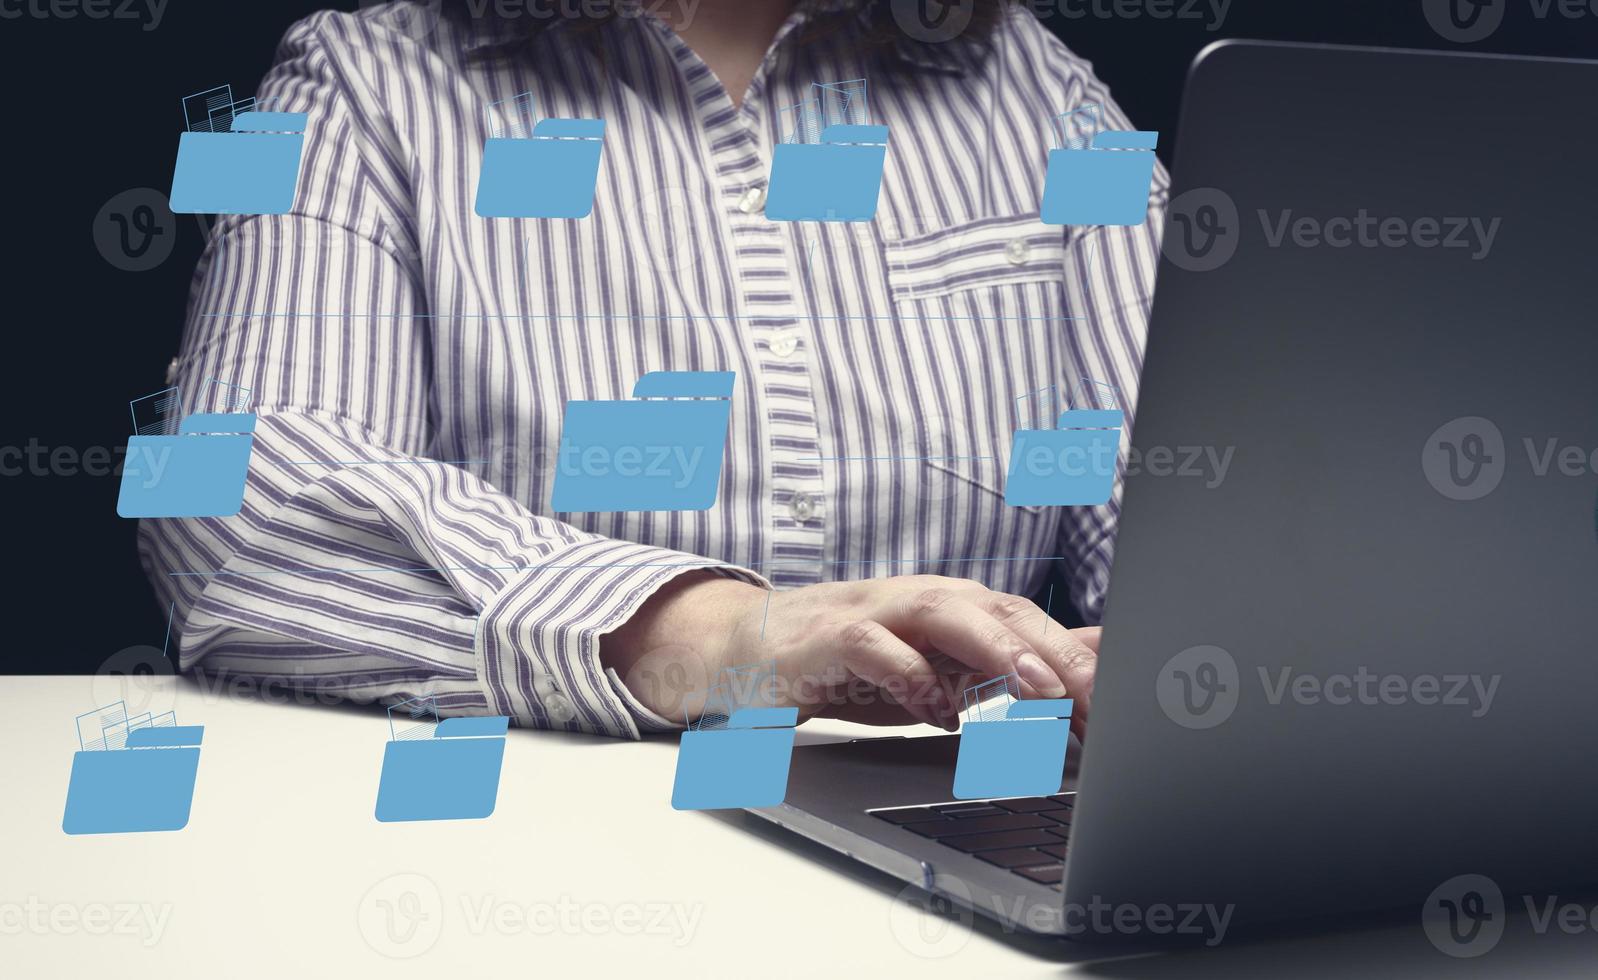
pixel 409 361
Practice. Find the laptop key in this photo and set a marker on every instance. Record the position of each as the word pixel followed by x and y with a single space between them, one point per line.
pixel 961 811
pixel 1014 857
pixel 1053 850
pixel 1029 804
pixel 1061 832
pixel 907 814
pixel 1058 816
pixel 1047 874
pixel 1069 799
pixel 978 825
pixel 972 843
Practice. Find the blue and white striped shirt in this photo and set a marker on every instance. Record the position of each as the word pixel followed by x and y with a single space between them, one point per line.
pixel 410 361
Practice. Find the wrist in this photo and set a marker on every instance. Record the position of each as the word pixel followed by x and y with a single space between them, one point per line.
pixel 674 646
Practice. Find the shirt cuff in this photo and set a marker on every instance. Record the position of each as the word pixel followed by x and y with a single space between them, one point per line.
pixel 538 639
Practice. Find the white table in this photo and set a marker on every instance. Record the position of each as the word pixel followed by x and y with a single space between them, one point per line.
pixel 583 870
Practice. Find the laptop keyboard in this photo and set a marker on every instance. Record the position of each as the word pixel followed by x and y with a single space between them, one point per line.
pixel 1024 836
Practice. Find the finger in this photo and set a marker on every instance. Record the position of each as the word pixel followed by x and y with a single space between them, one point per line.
pixel 1071 654
pixel 957 626
pixel 871 651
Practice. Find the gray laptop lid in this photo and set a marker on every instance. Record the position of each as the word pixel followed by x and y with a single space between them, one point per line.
pixel 1367 660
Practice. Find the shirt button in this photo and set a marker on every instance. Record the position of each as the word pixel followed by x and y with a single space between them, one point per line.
pixel 1016 251
pixel 556 705
pixel 172 372
pixel 753 200
pixel 784 344
pixel 559 707
pixel 801 506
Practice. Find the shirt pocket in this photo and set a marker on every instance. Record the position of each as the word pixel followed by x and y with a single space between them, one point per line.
pixel 982 308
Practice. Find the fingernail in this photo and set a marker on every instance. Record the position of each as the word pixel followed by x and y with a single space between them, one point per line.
pixel 1037 673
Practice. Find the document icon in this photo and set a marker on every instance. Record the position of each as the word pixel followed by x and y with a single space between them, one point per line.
pixel 131 775
pixel 829 165
pixel 1071 465
pixel 663 454
pixel 738 754
pixel 545 169
pixel 236 157
pixel 1014 748
pixel 194 468
pixel 1100 177
pixel 439 770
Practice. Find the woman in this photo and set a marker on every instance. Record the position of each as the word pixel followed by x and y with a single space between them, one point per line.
pixel 410 363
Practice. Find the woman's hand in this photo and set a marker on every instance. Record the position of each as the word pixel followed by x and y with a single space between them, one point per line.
pixel 884 651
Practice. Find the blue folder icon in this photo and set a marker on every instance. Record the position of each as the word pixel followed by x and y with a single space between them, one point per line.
pixel 131 775
pixel 198 472
pixel 737 756
pixel 439 770
pixel 829 165
pixel 237 157
pixel 663 454
pixel 1015 749
pixel 1102 178
pixel 546 169
pixel 1071 465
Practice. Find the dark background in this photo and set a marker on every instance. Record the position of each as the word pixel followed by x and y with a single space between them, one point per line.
pixel 94 108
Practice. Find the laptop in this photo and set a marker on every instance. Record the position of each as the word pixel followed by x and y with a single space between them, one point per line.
pixel 1364 663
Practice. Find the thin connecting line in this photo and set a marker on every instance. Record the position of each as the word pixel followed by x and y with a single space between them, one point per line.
pixel 1048 609
pixel 168 641
pixel 605 564
pixel 378 462
pixel 244 314
pixel 812 459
